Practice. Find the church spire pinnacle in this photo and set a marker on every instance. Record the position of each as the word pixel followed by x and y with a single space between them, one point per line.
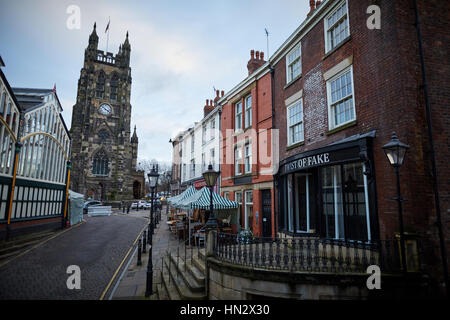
pixel 134 138
pixel 93 38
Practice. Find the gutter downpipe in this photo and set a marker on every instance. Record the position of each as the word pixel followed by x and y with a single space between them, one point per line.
pixel 433 159
pixel 275 177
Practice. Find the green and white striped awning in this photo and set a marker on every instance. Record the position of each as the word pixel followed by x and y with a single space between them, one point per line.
pixel 201 200
pixel 174 201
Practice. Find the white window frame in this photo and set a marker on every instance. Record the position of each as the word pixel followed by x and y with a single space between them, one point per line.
pixel 289 77
pixel 203 133
pixel 327 28
pixel 247 205
pixel 288 126
pixel 248 157
pixel 192 175
pixel 237 161
pixel 248 111
pixel 213 129
pixel 212 156
pixel 237 115
pixel 331 122
pixel 203 162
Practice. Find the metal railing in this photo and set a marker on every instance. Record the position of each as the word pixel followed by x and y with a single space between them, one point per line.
pixel 311 254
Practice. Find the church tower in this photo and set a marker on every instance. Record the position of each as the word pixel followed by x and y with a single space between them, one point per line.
pixel 103 152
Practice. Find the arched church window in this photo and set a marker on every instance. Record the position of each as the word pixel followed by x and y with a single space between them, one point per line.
pixel 100 88
pixel 100 164
pixel 114 87
pixel 103 134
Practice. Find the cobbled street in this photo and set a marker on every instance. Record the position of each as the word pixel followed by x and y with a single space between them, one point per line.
pixel 97 246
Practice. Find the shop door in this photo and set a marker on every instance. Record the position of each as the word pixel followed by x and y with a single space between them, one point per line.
pixel 266 213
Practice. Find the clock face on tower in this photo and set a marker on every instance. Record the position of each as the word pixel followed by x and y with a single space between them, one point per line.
pixel 105 109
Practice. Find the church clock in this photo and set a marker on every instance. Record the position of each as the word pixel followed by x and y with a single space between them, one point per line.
pixel 105 109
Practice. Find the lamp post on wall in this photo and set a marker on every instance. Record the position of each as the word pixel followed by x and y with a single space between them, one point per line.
pixel 152 181
pixel 395 152
pixel 210 177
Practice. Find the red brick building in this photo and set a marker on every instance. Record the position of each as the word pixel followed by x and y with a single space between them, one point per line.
pixel 246 148
pixel 340 89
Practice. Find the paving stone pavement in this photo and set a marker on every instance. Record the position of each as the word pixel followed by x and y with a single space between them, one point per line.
pixel 98 246
pixel 133 282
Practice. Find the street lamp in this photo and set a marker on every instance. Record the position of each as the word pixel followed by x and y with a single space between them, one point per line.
pixel 395 152
pixel 152 181
pixel 210 177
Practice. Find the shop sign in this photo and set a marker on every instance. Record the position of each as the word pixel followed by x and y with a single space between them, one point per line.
pixel 307 162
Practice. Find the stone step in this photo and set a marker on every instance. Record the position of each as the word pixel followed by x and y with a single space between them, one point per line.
pixel 189 280
pixel 183 290
pixel 25 239
pixel 162 292
pixel 168 284
pixel 9 249
pixel 196 273
pixel 199 263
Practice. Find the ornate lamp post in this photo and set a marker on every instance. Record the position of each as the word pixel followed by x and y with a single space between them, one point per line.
pixel 210 177
pixel 152 181
pixel 395 152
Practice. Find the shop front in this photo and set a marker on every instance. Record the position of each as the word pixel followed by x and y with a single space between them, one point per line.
pixel 330 192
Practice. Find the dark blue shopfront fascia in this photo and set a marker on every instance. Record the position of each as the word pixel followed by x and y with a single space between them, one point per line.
pixel 330 191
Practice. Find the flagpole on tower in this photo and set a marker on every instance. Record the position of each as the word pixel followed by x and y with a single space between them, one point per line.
pixel 107 36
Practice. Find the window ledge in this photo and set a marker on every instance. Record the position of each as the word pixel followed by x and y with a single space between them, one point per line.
pixel 342 127
pixel 243 175
pixel 295 145
pixel 329 53
pixel 292 81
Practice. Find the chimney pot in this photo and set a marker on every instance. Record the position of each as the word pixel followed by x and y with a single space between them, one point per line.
pixel 217 93
pixel 312 6
pixel 252 54
pixel 257 55
pixel 207 102
pixel 262 56
pixel 223 93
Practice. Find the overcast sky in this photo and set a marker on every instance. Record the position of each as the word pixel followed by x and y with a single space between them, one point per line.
pixel 180 50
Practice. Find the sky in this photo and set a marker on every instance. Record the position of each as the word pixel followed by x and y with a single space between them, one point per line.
pixel 180 51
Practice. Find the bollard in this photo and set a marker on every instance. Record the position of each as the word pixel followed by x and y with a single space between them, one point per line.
pixel 144 242
pixel 128 209
pixel 149 285
pixel 178 255
pixel 123 209
pixel 139 261
pixel 170 262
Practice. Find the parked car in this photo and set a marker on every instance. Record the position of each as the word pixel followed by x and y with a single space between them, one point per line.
pixel 138 204
pixel 147 205
pixel 91 203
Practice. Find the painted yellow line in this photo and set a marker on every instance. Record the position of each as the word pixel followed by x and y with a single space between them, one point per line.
pixel 41 243
pixel 120 266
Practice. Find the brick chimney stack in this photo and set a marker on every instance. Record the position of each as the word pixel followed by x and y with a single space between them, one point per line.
pixel 208 107
pixel 217 96
pixel 254 63
pixel 312 7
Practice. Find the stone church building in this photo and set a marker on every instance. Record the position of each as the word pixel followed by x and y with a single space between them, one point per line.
pixel 103 151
